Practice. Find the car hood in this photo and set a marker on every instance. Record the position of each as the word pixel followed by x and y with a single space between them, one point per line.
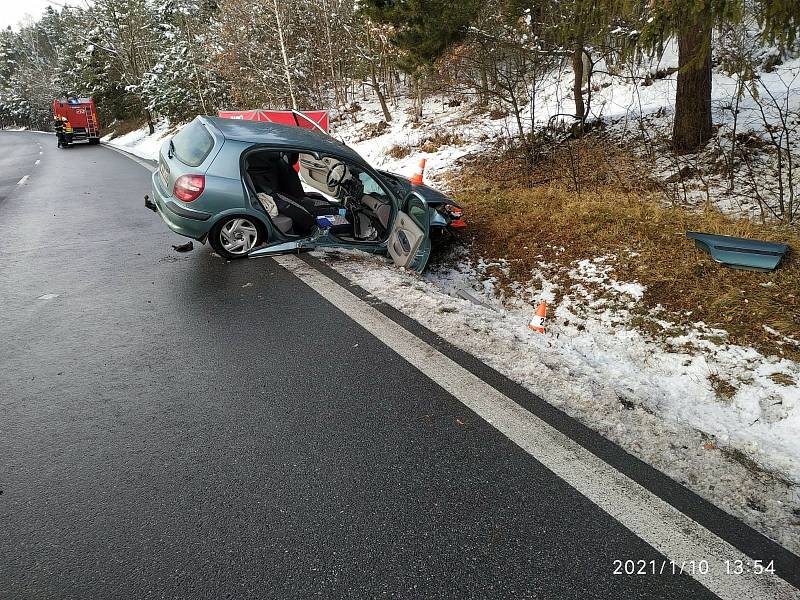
pixel 432 197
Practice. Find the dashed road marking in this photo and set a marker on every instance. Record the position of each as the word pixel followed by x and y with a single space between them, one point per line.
pixel 47 296
pixel 23 180
pixel 37 162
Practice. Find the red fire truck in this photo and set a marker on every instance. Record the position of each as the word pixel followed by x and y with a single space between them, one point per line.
pixel 81 116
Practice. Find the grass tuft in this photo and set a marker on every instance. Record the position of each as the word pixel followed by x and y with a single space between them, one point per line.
pixel 119 128
pixel 439 139
pixel 399 151
pixel 783 379
pixel 723 389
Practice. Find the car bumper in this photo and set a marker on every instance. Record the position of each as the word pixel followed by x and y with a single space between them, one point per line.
pixel 189 223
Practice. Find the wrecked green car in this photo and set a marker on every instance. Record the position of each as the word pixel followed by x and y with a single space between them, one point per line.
pixel 253 188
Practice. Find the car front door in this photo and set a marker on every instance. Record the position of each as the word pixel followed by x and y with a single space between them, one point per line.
pixel 409 242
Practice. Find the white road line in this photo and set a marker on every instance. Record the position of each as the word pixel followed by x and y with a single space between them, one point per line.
pixel 37 162
pixel 47 296
pixel 150 167
pixel 23 180
pixel 673 534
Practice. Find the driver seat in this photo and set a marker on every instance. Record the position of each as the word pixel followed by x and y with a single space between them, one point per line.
pixel 289 183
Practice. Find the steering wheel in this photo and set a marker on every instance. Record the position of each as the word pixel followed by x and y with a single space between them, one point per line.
pixel 336 175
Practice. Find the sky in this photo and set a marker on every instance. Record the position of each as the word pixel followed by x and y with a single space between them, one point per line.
pixel 14 11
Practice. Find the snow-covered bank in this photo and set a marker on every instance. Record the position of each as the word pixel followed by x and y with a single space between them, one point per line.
pixel 636 106
pixel 654 400
pixel 140 142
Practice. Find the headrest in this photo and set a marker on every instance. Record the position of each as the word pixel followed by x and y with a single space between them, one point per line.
pixel 262 161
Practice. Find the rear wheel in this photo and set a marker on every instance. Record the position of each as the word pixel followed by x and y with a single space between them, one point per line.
pixel 236 236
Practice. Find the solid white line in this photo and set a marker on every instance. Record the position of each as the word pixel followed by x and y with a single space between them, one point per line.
pixel 676 536
pixel 23 180
pixel 133 157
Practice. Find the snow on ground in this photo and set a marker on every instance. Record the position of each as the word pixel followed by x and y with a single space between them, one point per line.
pixel 637 113
pixel 140 143
pixel 654 399
pixel 473 135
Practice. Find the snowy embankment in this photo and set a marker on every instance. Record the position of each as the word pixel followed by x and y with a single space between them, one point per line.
pixel 140 142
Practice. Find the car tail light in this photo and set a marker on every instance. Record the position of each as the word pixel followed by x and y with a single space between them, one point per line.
pixel 458 223
pixel 189 187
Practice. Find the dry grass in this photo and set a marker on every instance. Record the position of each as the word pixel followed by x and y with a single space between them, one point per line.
pixel 723 389
pixel 399 151
pixel 591 199
pixel 439 139
pixel 430 144
pixel 783 379
pixel 371 130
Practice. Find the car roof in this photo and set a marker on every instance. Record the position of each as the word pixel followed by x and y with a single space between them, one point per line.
pixel 276 134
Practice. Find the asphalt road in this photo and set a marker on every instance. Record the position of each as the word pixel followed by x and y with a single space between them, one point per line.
pixel 175 426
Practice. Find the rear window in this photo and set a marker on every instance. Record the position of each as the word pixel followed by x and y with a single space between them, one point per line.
pixel 192 144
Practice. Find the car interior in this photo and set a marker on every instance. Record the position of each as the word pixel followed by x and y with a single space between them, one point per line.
pixel 302 193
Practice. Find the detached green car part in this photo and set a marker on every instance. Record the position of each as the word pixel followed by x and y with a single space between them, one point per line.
pixel 254 188
pixel 741 253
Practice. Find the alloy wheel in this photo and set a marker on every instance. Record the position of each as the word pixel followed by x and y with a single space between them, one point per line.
pixel 238 236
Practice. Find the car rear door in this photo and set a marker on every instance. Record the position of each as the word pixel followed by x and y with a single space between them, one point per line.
pixel 409 242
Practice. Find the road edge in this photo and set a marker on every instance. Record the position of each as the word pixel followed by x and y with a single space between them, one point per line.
pixel 148 164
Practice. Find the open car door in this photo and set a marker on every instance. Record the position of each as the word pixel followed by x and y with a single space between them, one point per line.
pixel 409 240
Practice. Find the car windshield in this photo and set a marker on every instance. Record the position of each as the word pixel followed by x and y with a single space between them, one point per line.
pixel 393 182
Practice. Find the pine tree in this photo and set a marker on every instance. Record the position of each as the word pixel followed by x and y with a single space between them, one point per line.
pixel 182 83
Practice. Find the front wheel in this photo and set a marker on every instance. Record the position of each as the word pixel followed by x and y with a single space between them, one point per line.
pixel 235 237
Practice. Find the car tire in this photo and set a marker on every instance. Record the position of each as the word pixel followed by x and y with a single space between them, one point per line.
pixel 236 236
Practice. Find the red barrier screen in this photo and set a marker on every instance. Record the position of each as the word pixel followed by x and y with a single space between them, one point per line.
pixel 285 117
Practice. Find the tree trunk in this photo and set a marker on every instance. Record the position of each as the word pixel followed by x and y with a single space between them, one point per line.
pixel 197 80
pixel 284 54
pixel 326 17
pixel 387 116
pixel 484 89
pixel 418 100
pixel 692 126
pixel 150 126
pixel 577 67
